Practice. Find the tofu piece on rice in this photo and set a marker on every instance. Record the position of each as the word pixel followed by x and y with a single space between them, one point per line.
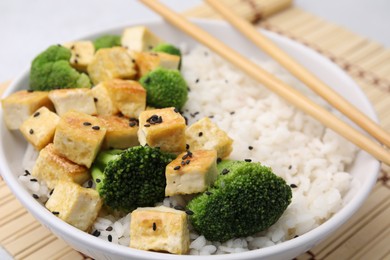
pixel 40 127
pixel 121 132
pixel 111 63
pixel 74 204
pixel 104 104
pixel 82 54
pixel 78 99
pixel 164 128
pixel 206 135
pixel 51 167
pixel 148 61
pixel 139 38
pixel 191 172
pixel 79 137
pixel 159 229
pixel 18 106
pixel 127 95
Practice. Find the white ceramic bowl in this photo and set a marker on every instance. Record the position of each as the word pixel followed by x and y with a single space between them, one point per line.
pixel 365 168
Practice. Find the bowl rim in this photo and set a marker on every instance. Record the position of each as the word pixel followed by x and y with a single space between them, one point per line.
pixel 78 236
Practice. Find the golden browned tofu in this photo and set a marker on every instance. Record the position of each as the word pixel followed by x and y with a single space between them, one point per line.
pixel 148 61
pixel 121 132
pixel 164 128
pixel 39 128
pixel 111 63
pixel 127 95
pixel 206 135
pixel 79 137
pixel 78 99
pixel 18 106
pixel 191 172
pixel 74 204
pixel 82 54
pixel 104 104
pixel 159 229
pixel 139 38
pixel 51 167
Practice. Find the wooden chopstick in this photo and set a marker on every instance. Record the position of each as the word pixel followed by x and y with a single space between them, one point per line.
pixel 274 84
pixel 301 73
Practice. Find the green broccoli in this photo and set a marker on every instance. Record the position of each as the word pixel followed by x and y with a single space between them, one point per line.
pixel 127 179
pixel 168 48
pixel 245 199
pixel 52 70
pixel 107 41
pixel 165 88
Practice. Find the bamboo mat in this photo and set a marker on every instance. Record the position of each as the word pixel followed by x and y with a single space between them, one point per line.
pixel 365 236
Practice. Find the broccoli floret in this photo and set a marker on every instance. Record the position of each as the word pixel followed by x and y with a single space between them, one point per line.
pixel 165 88
pixel 127 179
pixel 168 48
pixel 245 199
pixel 52 70
pixel 107 41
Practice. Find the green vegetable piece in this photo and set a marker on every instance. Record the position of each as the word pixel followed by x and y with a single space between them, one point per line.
pixel 107 41
pixel 168 48
pixel 52 70
pixel 127 179
pixel 165 88
pixel 246 198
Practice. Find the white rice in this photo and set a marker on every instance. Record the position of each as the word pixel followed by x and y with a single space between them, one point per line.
pixel 298 148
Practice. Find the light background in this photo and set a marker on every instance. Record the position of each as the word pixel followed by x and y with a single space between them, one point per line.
pixel 28 27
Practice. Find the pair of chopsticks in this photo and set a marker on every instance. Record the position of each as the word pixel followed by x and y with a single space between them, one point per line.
pixel 279 87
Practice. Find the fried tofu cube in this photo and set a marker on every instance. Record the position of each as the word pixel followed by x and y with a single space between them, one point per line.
pixel 111 63
pixel 74 204
pixel 121 132
pixel 127 95
pixel 191 172
pixel 159 229
pixel 18 106
pixel 206 135
pixel 148 61
pixel 78 99
pixel 139 38
pixel 51 167
pixel 164 128
pixel 40 127
pixel 79 137
pixel 103 102
pixel 82 54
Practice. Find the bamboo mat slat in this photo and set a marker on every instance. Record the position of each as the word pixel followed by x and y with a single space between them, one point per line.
pixel 365 236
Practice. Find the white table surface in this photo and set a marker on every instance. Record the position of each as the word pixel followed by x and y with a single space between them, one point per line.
pixel 28 27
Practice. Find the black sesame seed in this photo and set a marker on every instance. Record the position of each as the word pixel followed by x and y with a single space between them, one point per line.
pixel 290 167
pixel 250 147
pixel 187 146
pixel 197 80
pixel 188 162
pixel 55 212
pixel 87 123
pixel 154 226
pixel 109 238
pixel 71 47
pixel 189 153
pixel 184 156
pixel 146 125
pixel 36 114
pixel 96 233
pixel 292 185
pixel 132 124
pixel 26 173
pixel 177 168
pixel 51 192
pixel 211 116
pixel 183 163
pixel 296 236
pixel 133 60
pixel 154 119
pixel 189 212
pixel 31 131
pixel 219 160
pixel 109 228
pixel 30 90
pixel 188 89
pixel 248 160
pixel 200 134
pixel 77 55
pixel 33 180
pixel 225 171
pixel 97 180
pixel 35 196
pixel 90 183
pixel 96 127
pixel 178 207
pixel 76 61
pixel 95 99
pixel 232 113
